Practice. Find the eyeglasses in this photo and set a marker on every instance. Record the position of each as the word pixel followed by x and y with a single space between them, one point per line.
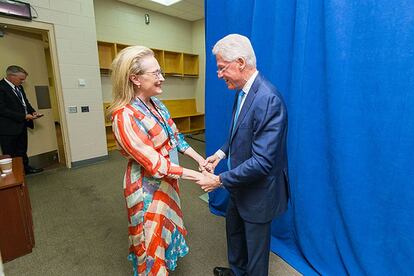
pixel 157 73
pixel 223 69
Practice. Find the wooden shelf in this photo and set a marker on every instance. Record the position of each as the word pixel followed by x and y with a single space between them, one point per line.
pixel 120 47
pixel 107 121
pixel 106 52
pixel 190 65
pixel 173 64
pixel 159 56
pixel 110 139
pixel 197 122
pixel 183 124
pixel 185 116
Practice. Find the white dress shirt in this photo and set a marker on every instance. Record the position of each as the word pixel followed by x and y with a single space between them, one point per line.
pixel 11 84
pixel 245 89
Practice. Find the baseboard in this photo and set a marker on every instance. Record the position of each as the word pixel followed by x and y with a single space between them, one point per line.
pixel 90 161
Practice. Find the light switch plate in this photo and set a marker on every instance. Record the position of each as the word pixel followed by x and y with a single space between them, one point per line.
pixel 82 82
pixel 72 109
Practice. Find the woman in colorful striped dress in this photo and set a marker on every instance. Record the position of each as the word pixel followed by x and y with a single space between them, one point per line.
pixel 148 137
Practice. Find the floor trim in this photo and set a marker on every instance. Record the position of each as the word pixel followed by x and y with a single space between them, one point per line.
pixel 90 161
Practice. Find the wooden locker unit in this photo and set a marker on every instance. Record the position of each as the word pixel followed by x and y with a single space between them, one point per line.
pixel 173 64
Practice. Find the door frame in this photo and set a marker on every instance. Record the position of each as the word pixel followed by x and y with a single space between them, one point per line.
pixel 47 28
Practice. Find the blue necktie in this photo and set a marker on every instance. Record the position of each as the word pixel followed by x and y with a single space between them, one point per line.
pixel 236 116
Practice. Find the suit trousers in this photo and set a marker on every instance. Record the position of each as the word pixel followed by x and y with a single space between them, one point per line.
pixel 248 244
pixel 15 146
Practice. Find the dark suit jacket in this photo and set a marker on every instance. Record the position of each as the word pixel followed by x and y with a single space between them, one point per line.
pixel 12 114
pixel 258 180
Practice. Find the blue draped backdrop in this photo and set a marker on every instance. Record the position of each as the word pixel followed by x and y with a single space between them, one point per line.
pixel 346 70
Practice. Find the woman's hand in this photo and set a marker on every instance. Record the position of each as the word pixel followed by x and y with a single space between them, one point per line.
pixel 202 163
pixel 191 175
pixel 211 162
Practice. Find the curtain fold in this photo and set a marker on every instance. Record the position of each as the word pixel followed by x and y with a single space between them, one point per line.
pixel 346 71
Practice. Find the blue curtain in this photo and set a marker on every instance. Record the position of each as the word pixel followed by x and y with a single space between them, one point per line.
pixel 346 70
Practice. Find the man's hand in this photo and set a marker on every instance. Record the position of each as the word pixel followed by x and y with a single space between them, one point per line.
pixel 37 115
pixel 33 116
pixel 209 182
pixel 29 117
pixel 201 164
pixel 211 163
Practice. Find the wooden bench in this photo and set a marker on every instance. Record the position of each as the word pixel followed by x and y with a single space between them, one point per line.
pixel 185 115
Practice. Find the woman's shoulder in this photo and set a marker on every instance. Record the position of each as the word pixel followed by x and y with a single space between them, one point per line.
pixel 128 110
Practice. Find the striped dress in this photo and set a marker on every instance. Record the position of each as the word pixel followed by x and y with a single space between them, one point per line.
pixel 149 138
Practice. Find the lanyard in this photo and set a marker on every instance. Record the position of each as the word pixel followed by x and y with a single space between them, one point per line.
pixel 19 95
pixel 162 122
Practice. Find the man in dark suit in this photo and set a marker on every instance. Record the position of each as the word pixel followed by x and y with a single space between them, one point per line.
pixel 16 115
pixel 257 179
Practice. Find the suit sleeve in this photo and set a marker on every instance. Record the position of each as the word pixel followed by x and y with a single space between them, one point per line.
pixel 225 147
pixel 6 112
pixel 271 117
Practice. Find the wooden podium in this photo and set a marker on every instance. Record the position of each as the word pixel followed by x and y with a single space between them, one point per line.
pixel 16 225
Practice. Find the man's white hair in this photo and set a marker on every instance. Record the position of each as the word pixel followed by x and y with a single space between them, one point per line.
pixel 234 46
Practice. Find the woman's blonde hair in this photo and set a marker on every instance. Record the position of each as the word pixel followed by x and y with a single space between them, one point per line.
pixel 128 62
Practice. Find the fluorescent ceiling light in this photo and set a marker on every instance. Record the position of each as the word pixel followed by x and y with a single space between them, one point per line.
pixel 166 2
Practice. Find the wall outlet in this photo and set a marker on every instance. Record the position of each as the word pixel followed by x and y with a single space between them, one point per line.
pixel 72 109
pixel 85 108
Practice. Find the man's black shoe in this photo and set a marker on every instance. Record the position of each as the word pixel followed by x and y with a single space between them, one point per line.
pixel 222 271
pixel 31 170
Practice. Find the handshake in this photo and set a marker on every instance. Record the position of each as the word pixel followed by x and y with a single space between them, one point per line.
pixel 206 178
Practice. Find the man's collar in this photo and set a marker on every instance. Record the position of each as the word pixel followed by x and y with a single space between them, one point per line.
pixel 249 82
pixel 11 84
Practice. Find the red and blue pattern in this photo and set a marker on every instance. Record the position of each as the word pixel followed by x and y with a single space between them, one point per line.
pixel 156 229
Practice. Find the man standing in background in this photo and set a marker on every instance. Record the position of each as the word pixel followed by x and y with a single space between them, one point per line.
pixel 257 178
pixel 16 115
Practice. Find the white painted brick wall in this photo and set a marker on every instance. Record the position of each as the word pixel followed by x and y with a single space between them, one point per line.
pixel 75 31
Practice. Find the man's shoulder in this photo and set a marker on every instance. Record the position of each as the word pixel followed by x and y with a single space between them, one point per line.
pixel 264 84
pixel 4 86
pixel 268 91
pixel 267 88
pixel 3 83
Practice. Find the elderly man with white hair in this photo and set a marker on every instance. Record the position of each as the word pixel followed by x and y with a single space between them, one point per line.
pixel 257 177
